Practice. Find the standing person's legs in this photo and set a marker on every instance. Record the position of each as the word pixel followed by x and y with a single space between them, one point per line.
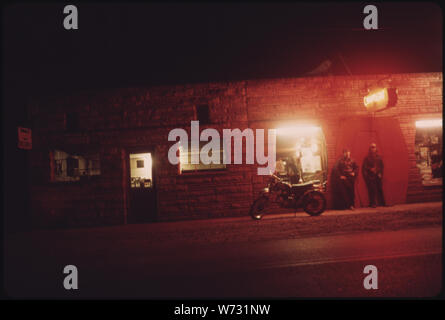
pixel 337 195
pixel 353 193
pixel 380 196
pixel 350 192
pixel 370 192
pixel 344 191
pixel 373 188
pixel 338 203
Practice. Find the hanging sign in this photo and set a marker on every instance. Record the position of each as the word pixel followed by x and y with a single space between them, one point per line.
pixel 24 138
pixel 380 99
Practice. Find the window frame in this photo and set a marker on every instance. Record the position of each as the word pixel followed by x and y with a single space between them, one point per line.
pixel 438 182
pixel 87 155
pixel 222 168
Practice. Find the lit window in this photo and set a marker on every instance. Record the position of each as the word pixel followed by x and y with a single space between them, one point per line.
pixel 301 154
pixel 428 151
pixel 185 157
pixel 141 170
pixel 73 167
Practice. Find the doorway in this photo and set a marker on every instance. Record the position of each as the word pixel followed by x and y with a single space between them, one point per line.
pixel 141 187
pixel 301 154
pixel 357 134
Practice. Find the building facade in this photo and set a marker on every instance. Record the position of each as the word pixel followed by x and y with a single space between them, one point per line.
pixel 101 158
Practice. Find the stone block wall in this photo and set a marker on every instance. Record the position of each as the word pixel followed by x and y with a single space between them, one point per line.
pixel 111 122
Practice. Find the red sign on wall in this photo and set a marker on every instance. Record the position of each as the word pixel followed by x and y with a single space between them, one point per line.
pixel 25 138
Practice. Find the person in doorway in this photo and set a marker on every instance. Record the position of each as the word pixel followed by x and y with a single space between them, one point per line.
pixel 372 170
pixel 293 167
pixel 344 176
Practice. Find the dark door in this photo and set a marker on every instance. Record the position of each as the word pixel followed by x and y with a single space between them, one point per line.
pixel 357 134
pixel 142 187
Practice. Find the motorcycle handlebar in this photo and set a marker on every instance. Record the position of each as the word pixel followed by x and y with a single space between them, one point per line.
pixel 275 176
pixel 320 185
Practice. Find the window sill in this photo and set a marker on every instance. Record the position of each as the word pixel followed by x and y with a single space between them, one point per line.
pixel 203 172
pixel 432 185
pixel 77 182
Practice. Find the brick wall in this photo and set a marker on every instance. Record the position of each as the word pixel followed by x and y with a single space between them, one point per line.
pixel 112 121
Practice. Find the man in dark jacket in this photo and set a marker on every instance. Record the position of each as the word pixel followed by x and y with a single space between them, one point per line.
pixel 344 176
pixel 372 169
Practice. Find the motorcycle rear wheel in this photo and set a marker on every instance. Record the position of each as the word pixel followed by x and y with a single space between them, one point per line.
pixel 257 209
pixel 314 203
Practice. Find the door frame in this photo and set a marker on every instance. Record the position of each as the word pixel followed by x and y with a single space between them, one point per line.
pixel 380 125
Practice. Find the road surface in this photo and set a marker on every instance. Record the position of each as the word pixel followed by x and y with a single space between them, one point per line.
pixel 409 264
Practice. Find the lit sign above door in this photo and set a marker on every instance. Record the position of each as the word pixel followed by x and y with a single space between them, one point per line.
pixel 380 99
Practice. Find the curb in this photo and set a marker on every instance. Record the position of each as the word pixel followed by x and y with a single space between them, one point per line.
pixel 398 208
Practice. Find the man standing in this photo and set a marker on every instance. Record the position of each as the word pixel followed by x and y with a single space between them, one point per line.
pixel 372 169
pixel 345 174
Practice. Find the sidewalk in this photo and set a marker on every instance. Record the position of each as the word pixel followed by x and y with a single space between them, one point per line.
pixel 411 208
pixel 407 208
pixel 271 227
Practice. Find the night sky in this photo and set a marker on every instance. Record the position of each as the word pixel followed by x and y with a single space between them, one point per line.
pixel 144 44
pixel 120 45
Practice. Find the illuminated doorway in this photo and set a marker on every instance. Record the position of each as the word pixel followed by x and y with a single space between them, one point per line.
pixel 142 195
pixel 301 154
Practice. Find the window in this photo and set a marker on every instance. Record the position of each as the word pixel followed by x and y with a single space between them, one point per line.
pixel 203 114
pixel 139 163
pixel 301 154
pixel 73 167
pixel 428 151
pixel 141 170
pixel 185 157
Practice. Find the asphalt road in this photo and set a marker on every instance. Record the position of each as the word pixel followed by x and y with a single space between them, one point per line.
pixel 409 264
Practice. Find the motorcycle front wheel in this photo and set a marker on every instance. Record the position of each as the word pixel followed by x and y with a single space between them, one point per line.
pixel 314 203
pixel 257 209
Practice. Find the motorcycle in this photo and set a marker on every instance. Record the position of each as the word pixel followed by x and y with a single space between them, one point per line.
pixel 308 195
